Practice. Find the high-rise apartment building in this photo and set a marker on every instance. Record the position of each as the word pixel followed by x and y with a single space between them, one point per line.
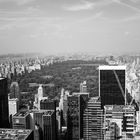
pixel 93 120
pixel 112 81
pixel 4 117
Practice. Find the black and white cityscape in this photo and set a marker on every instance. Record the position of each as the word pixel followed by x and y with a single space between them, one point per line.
pixel 69 70
pixel 73 97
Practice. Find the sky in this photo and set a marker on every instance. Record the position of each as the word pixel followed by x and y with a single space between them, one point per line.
pixel 67 26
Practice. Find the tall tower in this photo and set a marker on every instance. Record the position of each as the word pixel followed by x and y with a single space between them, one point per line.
pixel 39 97
pixel 93 120
pixel 112 85
pixel 40 91
pixel 83 86
pixel 45 122
pixel 75 117
pixel 49 123
pixel 4 117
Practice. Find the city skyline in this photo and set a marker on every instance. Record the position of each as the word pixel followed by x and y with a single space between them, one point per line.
pixel 105 26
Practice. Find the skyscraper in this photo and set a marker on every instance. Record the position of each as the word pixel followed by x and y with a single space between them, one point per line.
pixel 83 86
pixel 45 122
pixel 39 96
pixel 4 117
pixel 112 85
pixel 93 120
pixel 49 123
pixel 75 117
pixel 47 104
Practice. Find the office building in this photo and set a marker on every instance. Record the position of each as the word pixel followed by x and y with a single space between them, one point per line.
pixel 75 117
pixel 113 113
pixel 21 120
pixel 63 105
pixel 13 106
pixel 123 116
pixel 49 125
pixel 129 121
pixel 38 125
pixel 112 85
pixel 93 120
pixel 16 134
pixel 39 96
pixel 45 125
pixel 47 104
pixel 4 111
pixel 83 86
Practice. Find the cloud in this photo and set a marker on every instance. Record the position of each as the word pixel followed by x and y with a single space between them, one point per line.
pixel 18 2
pixel 23 22
pixel 135 1
pixel 85 5
pixel 127 5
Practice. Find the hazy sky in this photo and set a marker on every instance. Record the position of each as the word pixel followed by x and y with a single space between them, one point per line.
pixel 55 26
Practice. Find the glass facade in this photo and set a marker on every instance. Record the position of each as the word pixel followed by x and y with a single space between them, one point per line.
pixel 110 90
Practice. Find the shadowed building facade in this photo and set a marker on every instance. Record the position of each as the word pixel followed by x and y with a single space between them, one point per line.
pixel 4 117
pixel 93 120
pixel 75 117
pixel 112 81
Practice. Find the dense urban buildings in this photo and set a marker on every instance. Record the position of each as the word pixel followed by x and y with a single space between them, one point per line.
pixel 16 134
pixel 71 113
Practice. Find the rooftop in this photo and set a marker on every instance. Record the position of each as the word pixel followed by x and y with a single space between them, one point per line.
pixel 14 134
pixel 80 93
pixel 45 112
pixel 21 114
pixel 119 108
pixel 1 78
pixel 108 67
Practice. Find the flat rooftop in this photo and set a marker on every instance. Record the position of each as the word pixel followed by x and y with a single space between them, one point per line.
pixel 14 134
pixel 108 67
pixel 21 114
pixel 1 78
pixel 80 93
pixel 45 112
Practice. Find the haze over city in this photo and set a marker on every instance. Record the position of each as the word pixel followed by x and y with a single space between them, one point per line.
pixel 105 26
